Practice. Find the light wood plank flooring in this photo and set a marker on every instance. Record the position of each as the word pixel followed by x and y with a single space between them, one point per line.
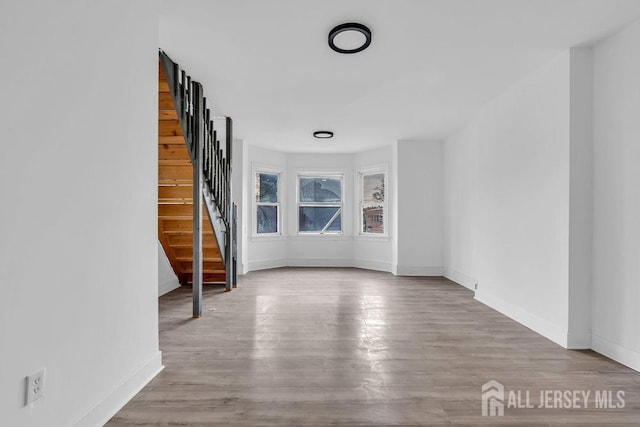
pixel 351 347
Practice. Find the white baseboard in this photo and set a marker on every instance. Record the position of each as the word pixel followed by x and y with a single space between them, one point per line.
pixel 524 317
pixel 414 270
pixel 243 269
pixel 355 263
pixel 578 341
pixel 265 264
pixel 319 262
pixel 460 278
pixel 372 265
pixel 616 352
pixel 124 392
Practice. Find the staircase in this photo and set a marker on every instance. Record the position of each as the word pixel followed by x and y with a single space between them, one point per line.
pixel 175 198
pixel 189 152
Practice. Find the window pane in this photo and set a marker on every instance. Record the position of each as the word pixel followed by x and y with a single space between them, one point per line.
pixel 373 203
pixel 266 188
pixel 320 189
pixel 316 218
pixel 373 188
pixel 373 220
pixel 267 219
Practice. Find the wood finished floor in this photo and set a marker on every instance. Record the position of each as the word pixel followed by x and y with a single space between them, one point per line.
pixel 351 347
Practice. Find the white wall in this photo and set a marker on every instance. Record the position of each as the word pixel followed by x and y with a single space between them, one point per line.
pixel 239 161
pixel 519 201
pixel 78 177
pixel 542 200
pixel 508 201
pixel 580 197
pixel 523 201
pixel 167 279
pixel 460 192
pixel 419 216
pixel 616 238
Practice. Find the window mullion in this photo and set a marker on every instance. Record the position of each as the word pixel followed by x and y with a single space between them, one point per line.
pixel 333 218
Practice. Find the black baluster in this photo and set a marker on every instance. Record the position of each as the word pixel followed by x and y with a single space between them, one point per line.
pixel 211 160
pixel 215 166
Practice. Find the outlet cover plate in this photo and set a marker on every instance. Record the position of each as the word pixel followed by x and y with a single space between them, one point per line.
pixel 35 387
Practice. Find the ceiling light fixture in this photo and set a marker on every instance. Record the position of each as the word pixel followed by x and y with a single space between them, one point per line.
pixel 323 134
pixel 350 38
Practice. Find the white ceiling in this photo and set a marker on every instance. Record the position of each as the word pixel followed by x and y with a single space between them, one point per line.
pixel 431 63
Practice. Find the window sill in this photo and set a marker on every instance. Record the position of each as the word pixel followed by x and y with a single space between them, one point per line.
pixel 265 237
pixel 372 237
pixel 326 237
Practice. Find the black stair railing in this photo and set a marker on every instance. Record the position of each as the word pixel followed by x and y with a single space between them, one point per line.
pixel 212 169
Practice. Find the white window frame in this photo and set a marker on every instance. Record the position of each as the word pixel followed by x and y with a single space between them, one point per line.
pixel 373 170
pixel 340 205
pixel 264 169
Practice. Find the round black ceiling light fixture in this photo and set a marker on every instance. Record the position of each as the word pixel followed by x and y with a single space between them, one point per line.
pixel 323 134
pixel 350 38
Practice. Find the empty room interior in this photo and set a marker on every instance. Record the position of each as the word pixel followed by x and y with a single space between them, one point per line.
pixel 354 212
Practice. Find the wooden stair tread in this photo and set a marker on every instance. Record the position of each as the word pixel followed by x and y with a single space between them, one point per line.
pixel 208 277
pixel 211 253
pixel 177 226
pixel 172 162
pixel 189 260
pixel 209 265
pixel 221 272
pixel 185 241
pixel 175 173
pixel 181 211
pixel 173 152
pixel 171 139
pixel 169 128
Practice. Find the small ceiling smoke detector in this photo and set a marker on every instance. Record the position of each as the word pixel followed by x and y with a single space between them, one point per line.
pixel 323 134
pixel 350 38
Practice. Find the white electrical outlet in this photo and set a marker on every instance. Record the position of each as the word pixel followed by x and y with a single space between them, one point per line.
pixel 35 387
